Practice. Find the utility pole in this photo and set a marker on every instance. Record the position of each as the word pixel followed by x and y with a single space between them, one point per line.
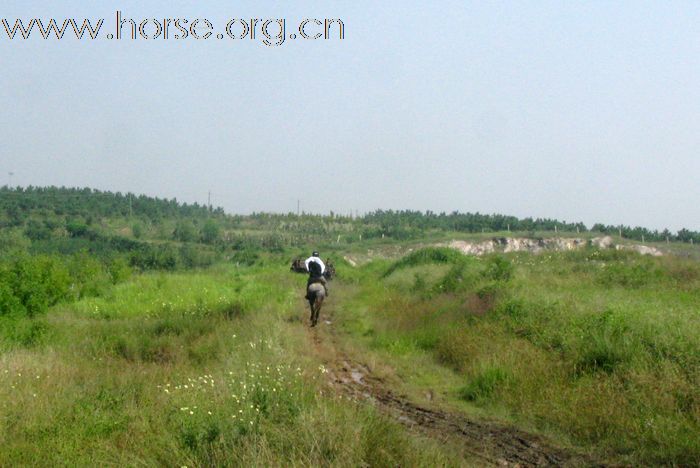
pixel 298 207
pixel 9 178
pixel 130 212
pixel 209 200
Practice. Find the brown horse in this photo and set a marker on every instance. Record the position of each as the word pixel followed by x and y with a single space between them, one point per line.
pixel 329 274
pixel 315 293
pixel 298 266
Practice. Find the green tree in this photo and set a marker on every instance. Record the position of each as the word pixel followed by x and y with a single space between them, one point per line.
pixel 137 230
pixel 185 231
pixel 210 232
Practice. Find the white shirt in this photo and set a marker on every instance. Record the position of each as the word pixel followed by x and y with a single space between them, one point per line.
pixel 317 260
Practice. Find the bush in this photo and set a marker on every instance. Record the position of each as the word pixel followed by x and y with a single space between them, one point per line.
pixel 457 278
pixel 13 241
pixel 137 230
pixel 37 231
pixel 185 232
pixel 245 258
pixel 155 257
pixel 89 276
pixel 32 284
pixel 210 232
pixel 25 332
pixel 195 256
pixel 119 270
pixel 427 256
pixel 498 268
pixel 9 303
pixel 77 229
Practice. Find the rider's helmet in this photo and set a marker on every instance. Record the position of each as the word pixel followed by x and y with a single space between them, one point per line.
pixel 314 254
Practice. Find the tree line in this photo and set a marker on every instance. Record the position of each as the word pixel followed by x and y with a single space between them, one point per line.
pixel 43 210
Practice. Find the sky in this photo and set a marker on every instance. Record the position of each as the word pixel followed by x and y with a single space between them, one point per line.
pixel 581 111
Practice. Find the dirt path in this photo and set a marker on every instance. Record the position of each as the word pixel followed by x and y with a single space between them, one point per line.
pixel 494 443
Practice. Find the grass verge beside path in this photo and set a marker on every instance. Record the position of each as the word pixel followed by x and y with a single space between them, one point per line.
pixel 188 369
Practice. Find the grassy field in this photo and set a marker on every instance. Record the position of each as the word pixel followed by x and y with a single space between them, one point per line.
pixel 596 350
pixel 190 369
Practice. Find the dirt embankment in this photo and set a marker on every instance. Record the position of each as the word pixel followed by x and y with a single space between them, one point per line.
pixel 556 244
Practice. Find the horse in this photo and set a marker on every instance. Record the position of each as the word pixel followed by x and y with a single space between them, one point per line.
pixel 329 274
pixel 298 266
pixel 315 294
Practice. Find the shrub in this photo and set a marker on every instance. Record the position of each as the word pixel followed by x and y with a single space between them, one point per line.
pixel 210 232
pixel 155 257
pixel 29 333
pixel 450 282
pixel 137 230
pixel 119 270
pixel 245 257
pixel 37 231
pixel 498 268
pixel 9 303
pixel 185 232
pixel 427 256
pixel 515 308
pixel 196 256
pixel 13 241
pixel 36 283
pixel 89 276
pixel 77 229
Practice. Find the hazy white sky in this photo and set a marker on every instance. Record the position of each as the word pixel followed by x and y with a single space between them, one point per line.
pixel 575 110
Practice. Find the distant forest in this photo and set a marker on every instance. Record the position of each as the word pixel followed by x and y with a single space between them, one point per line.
pixel 42 211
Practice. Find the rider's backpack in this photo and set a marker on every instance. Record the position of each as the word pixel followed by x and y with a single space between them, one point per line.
pixel 315 269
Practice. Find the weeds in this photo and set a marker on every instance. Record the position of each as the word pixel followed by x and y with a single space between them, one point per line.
pixel 485 384
pixel 195 369
pixel 598 345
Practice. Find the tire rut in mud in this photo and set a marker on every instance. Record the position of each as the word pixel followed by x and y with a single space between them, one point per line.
pixel 494 443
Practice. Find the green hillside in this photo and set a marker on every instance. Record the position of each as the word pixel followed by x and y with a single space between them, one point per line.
pixel 139 331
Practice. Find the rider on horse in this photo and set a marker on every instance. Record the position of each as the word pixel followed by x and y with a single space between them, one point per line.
pixel 316 268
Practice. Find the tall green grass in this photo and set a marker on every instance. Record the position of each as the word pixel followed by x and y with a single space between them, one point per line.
pixel 207 368
pixel 597 347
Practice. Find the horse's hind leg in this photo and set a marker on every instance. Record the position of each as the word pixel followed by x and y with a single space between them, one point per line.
pixel 311 318
pixel 317 310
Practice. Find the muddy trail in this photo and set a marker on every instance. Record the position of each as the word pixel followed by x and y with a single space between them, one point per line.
pixel 490 442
